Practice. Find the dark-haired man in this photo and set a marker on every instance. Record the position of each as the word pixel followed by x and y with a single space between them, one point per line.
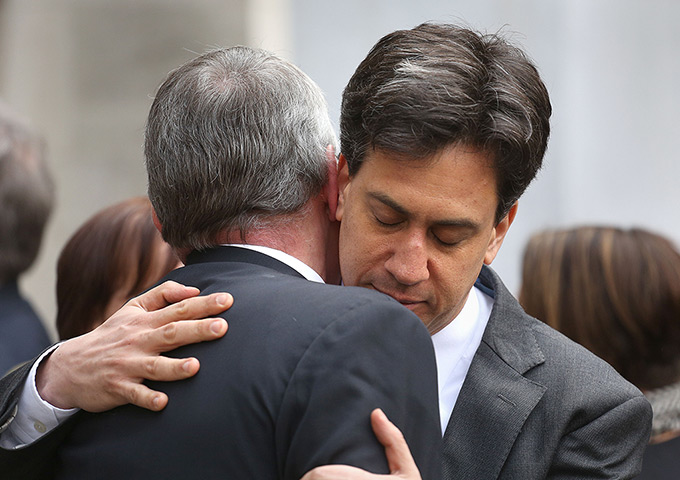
pixel 442 130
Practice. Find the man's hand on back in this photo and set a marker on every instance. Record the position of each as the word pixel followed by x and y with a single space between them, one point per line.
pixel 105 368
pixel 399 458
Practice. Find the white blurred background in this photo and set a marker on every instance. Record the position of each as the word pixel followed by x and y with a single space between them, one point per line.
pixel 84 72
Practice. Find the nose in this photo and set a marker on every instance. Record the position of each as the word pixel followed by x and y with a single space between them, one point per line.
pixel 408 262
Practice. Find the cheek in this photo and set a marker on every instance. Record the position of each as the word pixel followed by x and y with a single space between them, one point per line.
pixel 346 252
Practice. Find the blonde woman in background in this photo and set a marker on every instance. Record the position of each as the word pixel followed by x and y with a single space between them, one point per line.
pixel 617 292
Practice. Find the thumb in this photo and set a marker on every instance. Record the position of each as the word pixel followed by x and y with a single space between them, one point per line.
pixel 399 456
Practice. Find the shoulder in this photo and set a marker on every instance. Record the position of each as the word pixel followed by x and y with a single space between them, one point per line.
pixel 575 378
pixel 582 391
pixel 278 308
pixel 578 368
pixel 368 312
pixel 545 355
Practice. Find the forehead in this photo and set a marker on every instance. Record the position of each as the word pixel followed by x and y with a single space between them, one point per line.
pixel 456 181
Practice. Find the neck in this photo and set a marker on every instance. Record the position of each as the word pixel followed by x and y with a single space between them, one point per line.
pixel 303 235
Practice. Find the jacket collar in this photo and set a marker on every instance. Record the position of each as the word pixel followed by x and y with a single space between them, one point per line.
pixel 496 397
pixel 241 255
pixel 508 332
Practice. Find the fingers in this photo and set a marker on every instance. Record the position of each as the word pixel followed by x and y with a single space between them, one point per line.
pixel 156 368
pixel 198 307
pixel 164 294
pixel 398 454
pixel 142 396
pixel 398 457
pixel 166 369
pixel 192 309
pixel 341 472
pixel 177 334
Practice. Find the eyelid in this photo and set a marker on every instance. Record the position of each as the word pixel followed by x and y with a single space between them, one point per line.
pixel 386 224
pixel 446 244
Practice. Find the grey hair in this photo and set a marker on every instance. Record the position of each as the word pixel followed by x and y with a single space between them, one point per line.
pixel 234 137
pixel 26 195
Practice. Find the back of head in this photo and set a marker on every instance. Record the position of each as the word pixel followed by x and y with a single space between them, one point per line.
pixel 234 137
pixel 421 90
pixel 615 291
pixel 114 255
pixel 26 195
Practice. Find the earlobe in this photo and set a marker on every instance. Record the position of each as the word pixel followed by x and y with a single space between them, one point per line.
pixel 500 231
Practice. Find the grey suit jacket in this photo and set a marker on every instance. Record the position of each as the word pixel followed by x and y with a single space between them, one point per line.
pixel 536 405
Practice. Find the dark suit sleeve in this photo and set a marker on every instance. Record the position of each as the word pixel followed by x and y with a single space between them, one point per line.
pixel 609 446
pixel 368 358
pixel 34 461
pixel 10 390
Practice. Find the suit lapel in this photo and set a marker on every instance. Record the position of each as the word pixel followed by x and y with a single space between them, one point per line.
pixel 496 398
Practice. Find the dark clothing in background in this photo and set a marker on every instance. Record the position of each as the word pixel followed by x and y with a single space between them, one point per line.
pixel 661 461
pixel 22 334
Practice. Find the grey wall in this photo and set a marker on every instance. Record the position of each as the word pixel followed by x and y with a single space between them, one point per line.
pixel 612 68
pixel 84 71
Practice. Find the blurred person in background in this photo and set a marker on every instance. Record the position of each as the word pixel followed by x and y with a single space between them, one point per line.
pixel 26 200
pixel 115 255
pixel 617 292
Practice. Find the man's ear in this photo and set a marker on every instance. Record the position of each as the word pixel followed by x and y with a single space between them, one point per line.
pixel 330 190
pixel 499 233
pixel 156 222
pixel 343 183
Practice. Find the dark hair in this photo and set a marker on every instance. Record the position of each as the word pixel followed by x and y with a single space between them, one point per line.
pixel 26 195
pixel 117 245
pixel 614 291
pixel 421 90
pixel 233 137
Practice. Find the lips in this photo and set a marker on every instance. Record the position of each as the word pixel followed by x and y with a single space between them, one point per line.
pixel 408 302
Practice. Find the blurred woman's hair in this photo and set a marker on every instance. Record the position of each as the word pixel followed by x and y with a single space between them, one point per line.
pixel 614 291
pixel 115 255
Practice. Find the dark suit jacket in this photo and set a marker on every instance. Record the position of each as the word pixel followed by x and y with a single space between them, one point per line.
pixel 536 405
pixel 290 386
pixel 22 335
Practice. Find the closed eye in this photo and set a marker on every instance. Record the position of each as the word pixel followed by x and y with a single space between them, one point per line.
pixel 446 244
pixel 387 222
pixel 448 238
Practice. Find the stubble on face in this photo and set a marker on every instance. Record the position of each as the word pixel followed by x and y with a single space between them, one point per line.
pixel 419 230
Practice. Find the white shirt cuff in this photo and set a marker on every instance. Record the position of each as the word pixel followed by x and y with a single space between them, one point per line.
pixel 35 417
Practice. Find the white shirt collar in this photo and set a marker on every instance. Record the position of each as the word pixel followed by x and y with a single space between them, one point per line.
pixel 455 346
pixel 297 265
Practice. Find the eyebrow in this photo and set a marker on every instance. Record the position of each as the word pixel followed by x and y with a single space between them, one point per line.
pixel 459 223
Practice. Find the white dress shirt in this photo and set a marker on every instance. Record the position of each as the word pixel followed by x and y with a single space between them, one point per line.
pixel 455 346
